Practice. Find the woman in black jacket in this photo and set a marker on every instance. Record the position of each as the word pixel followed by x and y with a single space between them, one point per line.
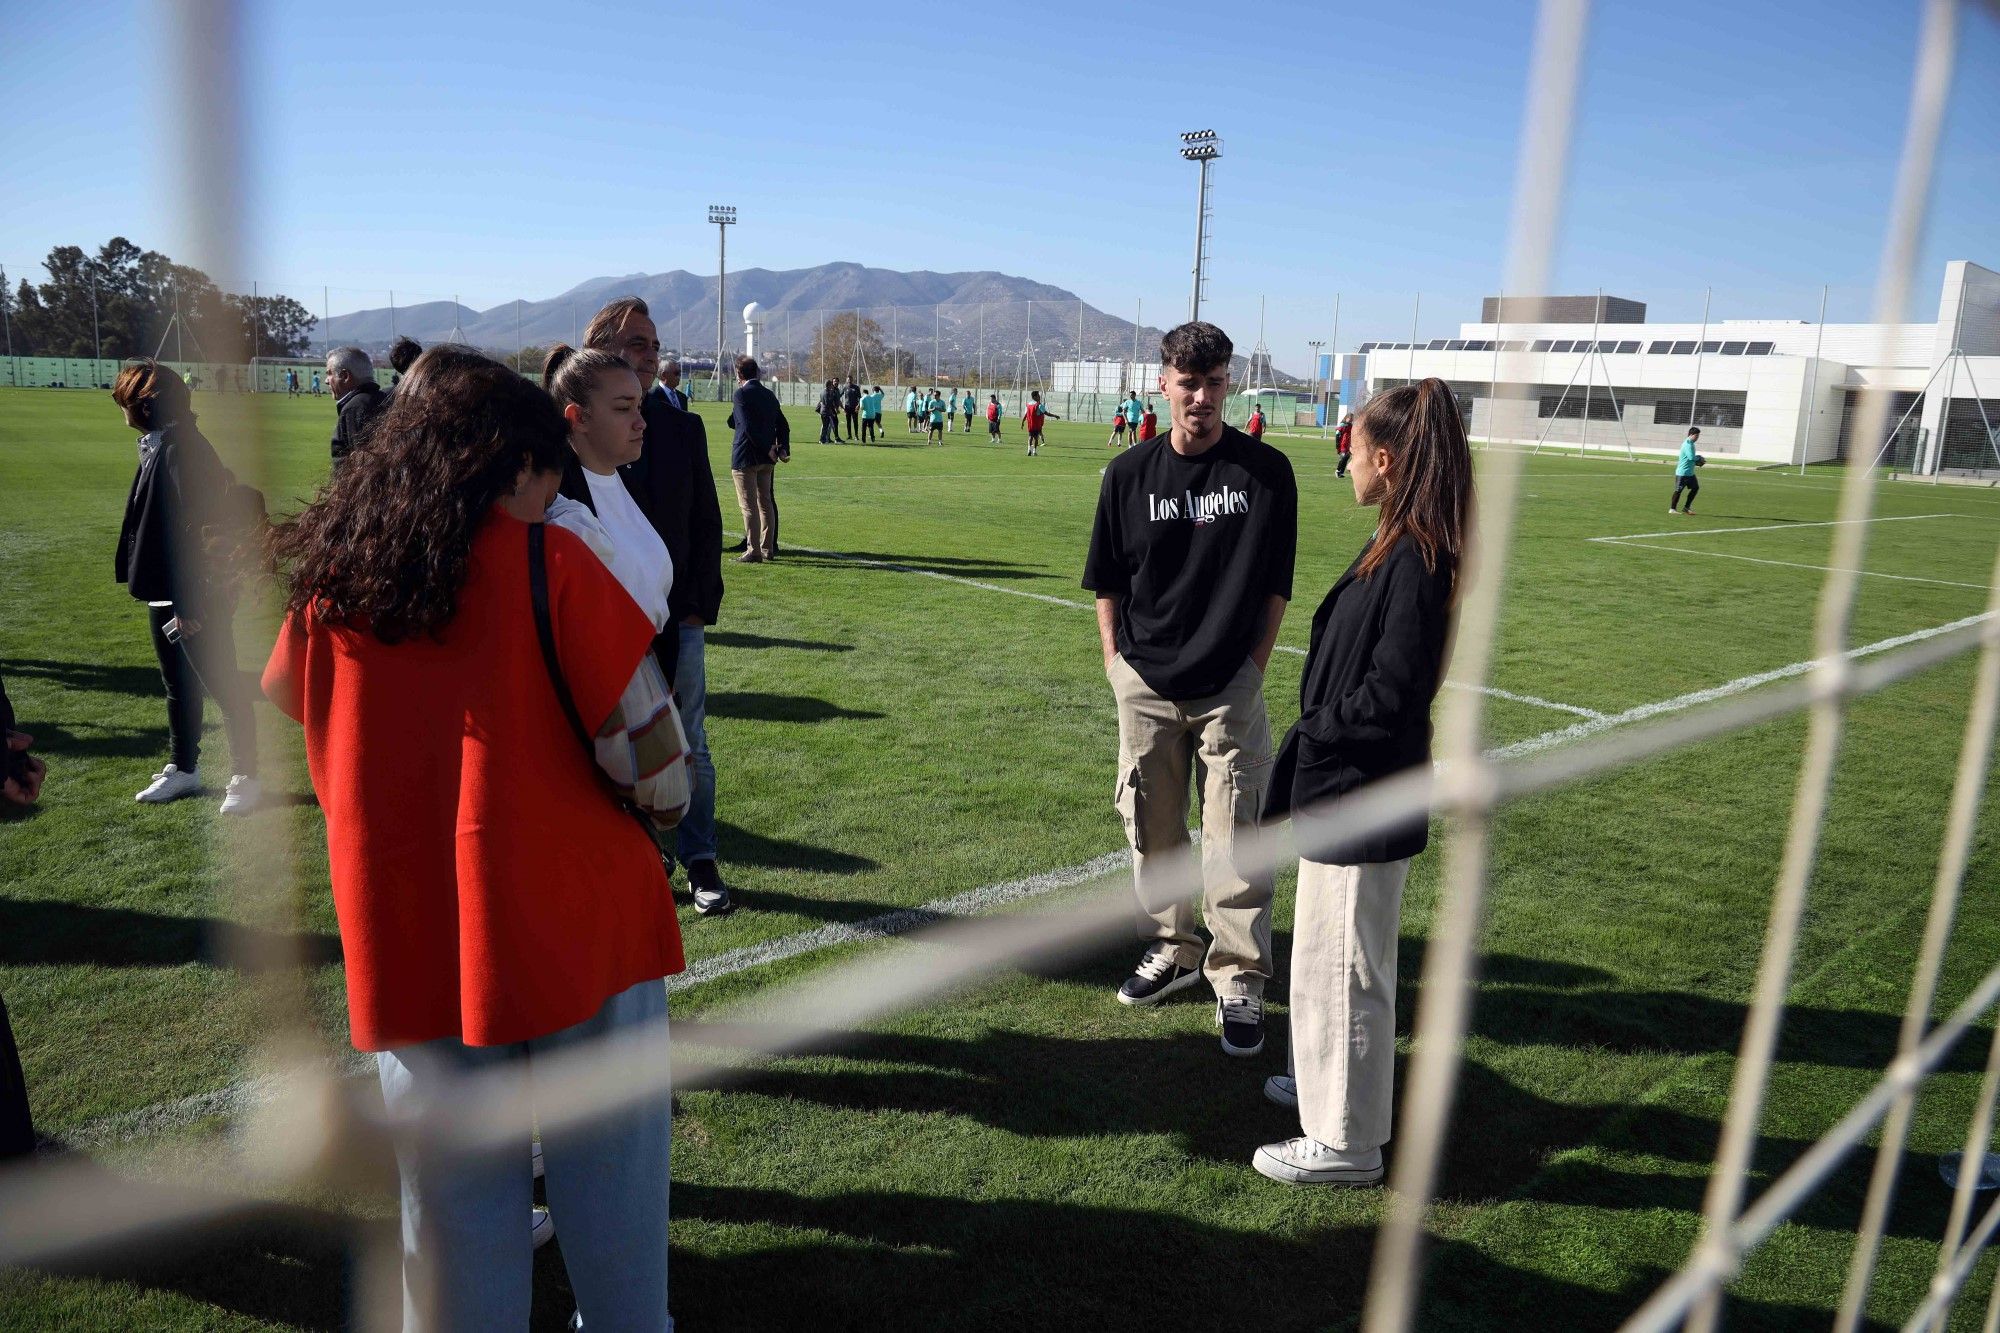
pixel 1377 657
pixel 185 513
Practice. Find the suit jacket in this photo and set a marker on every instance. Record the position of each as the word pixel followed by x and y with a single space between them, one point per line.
pixel 675 487
pixel 760 427
pixel 1377 657
pixel 356 413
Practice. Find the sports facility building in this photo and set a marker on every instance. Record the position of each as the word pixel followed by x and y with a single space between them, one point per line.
pixel 1773 391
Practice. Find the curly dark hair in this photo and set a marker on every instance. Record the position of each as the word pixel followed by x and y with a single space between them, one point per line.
pixel 1198 346
pixel 403 354
pixel 384 546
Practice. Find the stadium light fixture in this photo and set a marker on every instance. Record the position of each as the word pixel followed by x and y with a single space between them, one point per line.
pixel 1201 147
pixel 724 217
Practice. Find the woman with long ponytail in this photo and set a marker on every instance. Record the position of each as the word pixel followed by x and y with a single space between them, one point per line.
pixel 1379 644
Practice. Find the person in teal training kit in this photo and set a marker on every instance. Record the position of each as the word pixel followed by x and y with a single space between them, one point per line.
pixel 1684 477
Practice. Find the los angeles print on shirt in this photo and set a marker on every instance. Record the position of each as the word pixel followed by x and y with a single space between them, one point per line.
pixel 1204 508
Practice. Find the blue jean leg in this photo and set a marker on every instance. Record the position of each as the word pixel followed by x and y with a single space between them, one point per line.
pixel 696 835
pixel 608 1183
pixel 467 1253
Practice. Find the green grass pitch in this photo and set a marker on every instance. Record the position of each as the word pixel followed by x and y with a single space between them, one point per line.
pixel 1030 1151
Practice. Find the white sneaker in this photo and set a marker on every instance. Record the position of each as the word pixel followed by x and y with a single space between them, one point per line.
pixel 1281 1090
pixel 244 795
pixel 535 1158
pixel 541 1226
pixel 170 784
pixel 1307 1161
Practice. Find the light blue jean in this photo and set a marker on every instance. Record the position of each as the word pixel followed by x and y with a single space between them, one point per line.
pixel 696 836
pixel 467 1253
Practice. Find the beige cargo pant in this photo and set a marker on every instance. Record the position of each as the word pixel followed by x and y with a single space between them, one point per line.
pixel 1158 742
pixel 1343 1000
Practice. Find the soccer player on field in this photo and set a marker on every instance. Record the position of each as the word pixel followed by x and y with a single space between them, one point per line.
pixel 1117 440
pixel 1134 409
pixel 993 417
pixel 910 411
pixel 1191 560
pixel 1684 477
pixel 938 414
pixel 968 405
pixel 1256 423
pixel 1034 416
pixel 1149 425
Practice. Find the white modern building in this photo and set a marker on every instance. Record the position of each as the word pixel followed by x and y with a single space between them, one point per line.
pixel 1772 391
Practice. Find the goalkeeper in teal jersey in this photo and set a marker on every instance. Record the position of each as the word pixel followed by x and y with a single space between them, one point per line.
pixel 1684 477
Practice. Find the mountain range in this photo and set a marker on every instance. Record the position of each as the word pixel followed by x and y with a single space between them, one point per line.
pixel 946 318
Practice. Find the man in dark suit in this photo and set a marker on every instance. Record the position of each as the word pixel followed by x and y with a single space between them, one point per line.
pixel 675 487
pixel 670 382
pixel 763 440
pixel 357 398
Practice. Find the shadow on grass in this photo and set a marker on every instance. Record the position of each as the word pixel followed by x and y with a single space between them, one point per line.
pixel 42 932
pixel 953 565
pixel 101 742
pixel 722 638
pixel 738 846
pixel 801 708
pixel 277 1264
pixel 96 677
pixel 880 1260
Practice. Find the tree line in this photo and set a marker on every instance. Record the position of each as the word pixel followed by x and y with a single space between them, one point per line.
pixel 123 301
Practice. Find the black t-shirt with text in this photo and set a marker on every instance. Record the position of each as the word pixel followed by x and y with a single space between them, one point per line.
pixel 1194 549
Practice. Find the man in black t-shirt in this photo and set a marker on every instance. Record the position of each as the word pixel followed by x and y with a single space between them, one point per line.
pixel 1191 560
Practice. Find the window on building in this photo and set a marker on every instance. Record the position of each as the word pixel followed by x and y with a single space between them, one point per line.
pixel 1711 347
pixel 1684 349
pixel 1543 345
pixel 1453 345
pixel 1659 349
pixel 1760 349
pixel 1733 349
pixel 1709 412
pixel 1627 348
pixel 1434 345
pixel 1571 407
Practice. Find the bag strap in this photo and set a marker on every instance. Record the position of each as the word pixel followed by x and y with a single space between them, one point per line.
pixel 538 591
pixel 545 633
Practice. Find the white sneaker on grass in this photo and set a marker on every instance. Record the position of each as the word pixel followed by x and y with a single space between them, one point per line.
pixel 244 795
pixel 541 1226
pixel 170 784
pixel 1307 1161
pixel 1281 1090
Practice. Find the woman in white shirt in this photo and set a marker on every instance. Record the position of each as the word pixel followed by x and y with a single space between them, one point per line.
pixel 600 397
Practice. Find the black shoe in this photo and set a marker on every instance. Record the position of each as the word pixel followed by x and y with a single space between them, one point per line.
pixel 1241 1016
pixel 739 547
pixel 711 896
pixel 1158 975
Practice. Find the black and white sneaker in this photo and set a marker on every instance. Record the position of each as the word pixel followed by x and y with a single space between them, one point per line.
pixel 1159 975
pixel 1281 1090
pixel 711 896
pixel 1241 1017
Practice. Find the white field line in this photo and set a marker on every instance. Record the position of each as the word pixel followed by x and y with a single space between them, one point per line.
pixel 247 1093
pixel 1087 606
pixel 1681 702
pixel 1788 564
pixel 1772 527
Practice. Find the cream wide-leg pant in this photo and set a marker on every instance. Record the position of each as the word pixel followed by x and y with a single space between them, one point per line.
pixel 1343 1000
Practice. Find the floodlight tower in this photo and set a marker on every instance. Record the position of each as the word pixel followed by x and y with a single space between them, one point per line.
pixel 724 217
pixel 1202 147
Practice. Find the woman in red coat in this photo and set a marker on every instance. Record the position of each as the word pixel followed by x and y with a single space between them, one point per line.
pixel 495 904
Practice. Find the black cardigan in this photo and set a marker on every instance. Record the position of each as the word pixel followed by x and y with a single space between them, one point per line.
pixel 179 498
pixel 1376 660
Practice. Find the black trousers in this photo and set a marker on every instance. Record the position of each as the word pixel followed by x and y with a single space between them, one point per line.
pixel 17 1129
pixel 871 429
pixel 203 665
pixel 829 426
pixel 1688 484
pixel 853 422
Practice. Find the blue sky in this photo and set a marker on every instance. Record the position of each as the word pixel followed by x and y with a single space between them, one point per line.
pixel 507 150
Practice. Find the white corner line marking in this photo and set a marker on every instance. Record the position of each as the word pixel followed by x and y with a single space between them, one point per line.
pixel 1789 564
pixel 1681 702
pixel 1773 527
